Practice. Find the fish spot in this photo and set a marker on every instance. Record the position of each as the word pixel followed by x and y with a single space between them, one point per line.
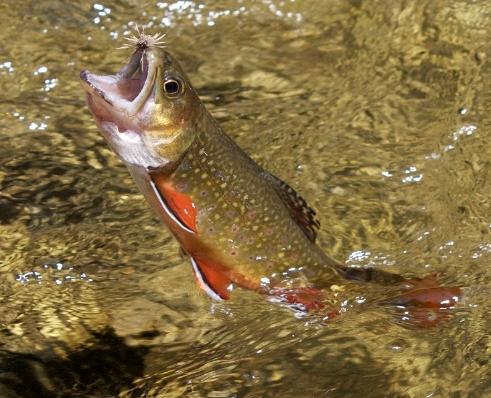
pixel 252 215
pixel 293 256
pixel 233 253
pixel 268 231
pixel 203 193
pixel 210 230
pixel 431 316
pixel 181 186
pixel 235 228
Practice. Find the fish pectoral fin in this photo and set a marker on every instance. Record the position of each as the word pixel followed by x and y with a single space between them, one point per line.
pixel 212 280
pixel 178 206
pixel 298 208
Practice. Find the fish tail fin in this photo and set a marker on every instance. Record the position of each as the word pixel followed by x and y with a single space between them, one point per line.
pixel 424 302
pixel 421 302
pixel 417 302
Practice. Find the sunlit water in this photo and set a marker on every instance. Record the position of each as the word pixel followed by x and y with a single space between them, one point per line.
pixel 377 112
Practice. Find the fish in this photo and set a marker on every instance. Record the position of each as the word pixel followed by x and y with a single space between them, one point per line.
pixel 240 225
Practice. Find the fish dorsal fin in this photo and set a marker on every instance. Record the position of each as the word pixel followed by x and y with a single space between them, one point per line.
pixel 213 281
pixel 299 210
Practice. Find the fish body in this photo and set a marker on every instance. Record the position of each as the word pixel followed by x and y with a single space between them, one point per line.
pixel 235 219
pixel 239 224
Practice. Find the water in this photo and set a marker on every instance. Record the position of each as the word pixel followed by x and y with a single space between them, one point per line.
pixel 377 112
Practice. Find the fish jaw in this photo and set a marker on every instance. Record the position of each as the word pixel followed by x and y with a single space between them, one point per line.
pixel 124 109
pixel 120 97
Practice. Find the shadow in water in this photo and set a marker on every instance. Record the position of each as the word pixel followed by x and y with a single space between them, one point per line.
pixel 99 371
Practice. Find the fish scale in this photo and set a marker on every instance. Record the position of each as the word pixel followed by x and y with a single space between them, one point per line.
pixel 239 212
pixel 239 224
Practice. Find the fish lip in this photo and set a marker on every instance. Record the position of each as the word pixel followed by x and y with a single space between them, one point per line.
pixel 126 91
pixel 84 76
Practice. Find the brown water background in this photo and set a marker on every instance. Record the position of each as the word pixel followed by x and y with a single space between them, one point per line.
pixel 378 112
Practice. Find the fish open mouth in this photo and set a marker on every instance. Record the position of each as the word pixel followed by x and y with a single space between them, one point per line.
pixel 123 93
pixel 125 107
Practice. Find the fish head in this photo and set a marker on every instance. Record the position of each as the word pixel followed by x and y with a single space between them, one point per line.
pixel 148 111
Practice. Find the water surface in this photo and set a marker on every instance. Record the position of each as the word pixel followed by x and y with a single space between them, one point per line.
pixel 377 112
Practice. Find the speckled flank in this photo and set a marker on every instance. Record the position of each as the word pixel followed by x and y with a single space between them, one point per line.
pixel 240 214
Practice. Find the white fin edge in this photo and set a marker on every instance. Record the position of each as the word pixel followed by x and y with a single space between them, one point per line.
pixel 167 210
pixel 202 283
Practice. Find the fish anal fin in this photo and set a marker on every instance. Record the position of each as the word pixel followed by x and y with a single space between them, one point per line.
pixel 299 210
pixel 303 298
pixel 211 279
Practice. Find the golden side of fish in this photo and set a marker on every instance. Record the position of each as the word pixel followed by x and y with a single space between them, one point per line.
pixel 239 224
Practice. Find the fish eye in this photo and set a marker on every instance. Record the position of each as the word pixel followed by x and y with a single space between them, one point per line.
pixel 173 87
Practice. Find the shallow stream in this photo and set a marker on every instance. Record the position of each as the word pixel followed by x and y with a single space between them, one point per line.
pixel 378 112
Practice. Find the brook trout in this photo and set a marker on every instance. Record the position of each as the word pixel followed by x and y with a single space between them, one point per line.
pixel 240 225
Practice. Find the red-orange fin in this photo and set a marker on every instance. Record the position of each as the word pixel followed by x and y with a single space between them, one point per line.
pixel 179 206
pixel 213 281
pixel 298 208
pixel 426 303
pixel 303 298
